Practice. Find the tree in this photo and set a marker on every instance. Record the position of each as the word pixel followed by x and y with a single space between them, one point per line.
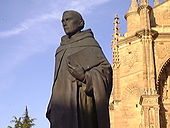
pixel 23 122
pixel 17 122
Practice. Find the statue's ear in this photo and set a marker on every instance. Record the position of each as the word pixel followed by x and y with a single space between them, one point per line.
pixel 81 24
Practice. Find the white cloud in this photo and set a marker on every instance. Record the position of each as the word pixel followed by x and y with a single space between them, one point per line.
pixel 35 40
pixel 78 5
pixel 13 31
pixel 27 24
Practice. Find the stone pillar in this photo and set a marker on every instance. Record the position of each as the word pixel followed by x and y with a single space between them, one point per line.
pixel 150 109
pixel 147 37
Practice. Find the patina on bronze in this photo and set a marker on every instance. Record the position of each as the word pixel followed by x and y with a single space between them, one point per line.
pixel 82 79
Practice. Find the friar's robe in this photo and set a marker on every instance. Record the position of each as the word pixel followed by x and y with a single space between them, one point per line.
pixel 80 104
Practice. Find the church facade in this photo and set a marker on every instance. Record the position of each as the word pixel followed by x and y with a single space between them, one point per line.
pixel 141 66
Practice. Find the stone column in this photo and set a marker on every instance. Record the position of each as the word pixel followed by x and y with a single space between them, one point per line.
pixel 149 102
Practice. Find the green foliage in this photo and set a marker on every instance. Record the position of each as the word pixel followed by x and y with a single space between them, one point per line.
pixel 23 122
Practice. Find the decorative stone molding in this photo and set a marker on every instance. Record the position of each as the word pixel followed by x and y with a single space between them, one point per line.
pixel 150 109
pixel 160 71
pixel 143 51
pixel 149 91
pixel 149 97
pixel 147 32
pixel 144 6
pixel 132 89
pixel 116 61
pixel 127 40
pixel 130 58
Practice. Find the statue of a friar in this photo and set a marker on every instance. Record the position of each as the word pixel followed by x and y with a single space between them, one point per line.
pixel 82 79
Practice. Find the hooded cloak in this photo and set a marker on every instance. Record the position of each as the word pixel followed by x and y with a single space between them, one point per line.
pixel 80 104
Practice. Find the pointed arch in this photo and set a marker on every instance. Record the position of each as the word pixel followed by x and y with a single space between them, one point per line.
pixel 163 87
pixel 162 68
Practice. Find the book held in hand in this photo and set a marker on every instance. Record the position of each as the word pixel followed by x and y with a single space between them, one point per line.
pixel 84 58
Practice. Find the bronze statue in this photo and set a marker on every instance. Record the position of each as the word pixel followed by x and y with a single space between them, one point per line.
pixel 82 79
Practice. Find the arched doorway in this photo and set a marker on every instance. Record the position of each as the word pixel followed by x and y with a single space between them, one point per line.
pixel 164 92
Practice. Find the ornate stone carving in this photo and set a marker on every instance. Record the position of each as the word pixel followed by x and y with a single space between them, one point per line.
pixel 150 101
pixel 149 91
pixel 165 91
pixel 130 58
pixel 161 72
pixel 162 50
pixel 149 97
pixel 132 90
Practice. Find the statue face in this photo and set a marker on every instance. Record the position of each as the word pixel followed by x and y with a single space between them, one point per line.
pixel 71 23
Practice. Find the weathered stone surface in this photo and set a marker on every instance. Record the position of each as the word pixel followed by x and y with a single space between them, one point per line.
pixel 141 96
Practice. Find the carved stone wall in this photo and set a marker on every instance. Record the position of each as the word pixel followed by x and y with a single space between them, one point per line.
pixel 162 13
pixel 138 105
pixel 162 53
pixel 164 92
pixel 130 58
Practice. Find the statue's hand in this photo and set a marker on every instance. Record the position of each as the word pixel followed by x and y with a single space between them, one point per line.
pixel 77 72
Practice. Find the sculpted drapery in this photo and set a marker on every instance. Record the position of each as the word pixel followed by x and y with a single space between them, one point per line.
pixel 78 103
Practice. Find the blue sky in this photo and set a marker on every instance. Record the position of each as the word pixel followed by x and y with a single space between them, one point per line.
pixel 30 32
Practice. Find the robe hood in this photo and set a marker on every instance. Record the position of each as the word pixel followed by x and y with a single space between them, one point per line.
pixel 77 37
pixel 100 78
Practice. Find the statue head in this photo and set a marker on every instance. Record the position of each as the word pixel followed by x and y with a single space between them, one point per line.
pixel 72 22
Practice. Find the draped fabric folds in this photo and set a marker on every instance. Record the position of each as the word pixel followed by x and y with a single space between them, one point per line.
pixel 80 104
